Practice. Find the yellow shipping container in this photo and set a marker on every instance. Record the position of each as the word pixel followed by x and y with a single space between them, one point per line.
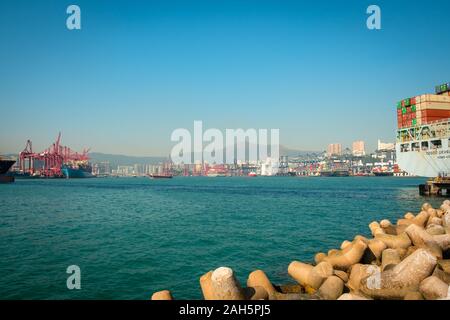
pixel 433 105
pixel 418 99
pixel 434 98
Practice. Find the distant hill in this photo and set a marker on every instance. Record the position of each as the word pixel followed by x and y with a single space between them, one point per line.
pixel 285 151
pixel 123 160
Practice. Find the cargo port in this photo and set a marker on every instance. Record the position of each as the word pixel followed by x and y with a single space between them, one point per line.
pixel 57 161
pixel 422 148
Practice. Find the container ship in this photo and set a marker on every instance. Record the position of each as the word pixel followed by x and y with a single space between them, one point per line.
pixel 5 165
pixel 77 169
pixel 423 134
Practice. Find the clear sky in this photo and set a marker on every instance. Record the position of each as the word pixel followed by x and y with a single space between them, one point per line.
pixel 137 70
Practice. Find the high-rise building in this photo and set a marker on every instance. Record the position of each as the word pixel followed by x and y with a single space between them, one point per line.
pixel 358 148
pixel 385 146
pixel 334 149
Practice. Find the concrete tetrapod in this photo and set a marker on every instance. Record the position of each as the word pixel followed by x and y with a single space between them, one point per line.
pixel 259 278
pixel 359 272
pixel 426 206
pixel 390 259
pixel 421 218
pixel 375 228
pixel 318 258
pixel 435 229
pixel 376 247
pixel 388 227
pixel 400 241
pixel 347 257
pixel 225 285
pixel 433 288
pixel 446 222
pixel 420 237
pixel 413 296
pixel 352 296
pixel 405 277
pixel 435 220
pixel 162 295
pixel 308 275
pixel 206 286
pixel 255 293
pixel 332 288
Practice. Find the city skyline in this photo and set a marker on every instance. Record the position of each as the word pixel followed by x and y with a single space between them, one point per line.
pixel 134 73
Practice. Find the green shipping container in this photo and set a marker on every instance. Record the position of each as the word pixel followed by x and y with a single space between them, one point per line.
pixel 399 105
pixel 407 102
pixel 413 108
pixel 443 87
pixel 414 122
pixel 438 89
pixel 404 110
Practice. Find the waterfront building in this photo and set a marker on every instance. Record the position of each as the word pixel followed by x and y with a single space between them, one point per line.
pixel 334 149
pixel 269 167
pixel 358 148
pixel 385 146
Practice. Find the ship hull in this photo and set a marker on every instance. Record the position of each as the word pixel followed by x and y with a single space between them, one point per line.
pixel 72 173
pixel 428 164
pixel 5 165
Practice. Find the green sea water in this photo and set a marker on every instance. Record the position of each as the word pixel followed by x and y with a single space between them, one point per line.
pixel 134 236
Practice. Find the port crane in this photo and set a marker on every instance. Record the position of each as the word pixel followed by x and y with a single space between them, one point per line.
pixel 49 162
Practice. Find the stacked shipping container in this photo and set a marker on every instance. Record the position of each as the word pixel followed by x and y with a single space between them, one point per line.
pixel 424 109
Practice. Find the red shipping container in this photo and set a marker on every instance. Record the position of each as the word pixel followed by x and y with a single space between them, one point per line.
pixel 413 115
pixel 436 113
pixel 413 100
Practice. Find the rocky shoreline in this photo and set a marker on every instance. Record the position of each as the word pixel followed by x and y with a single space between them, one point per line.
pixel 409 260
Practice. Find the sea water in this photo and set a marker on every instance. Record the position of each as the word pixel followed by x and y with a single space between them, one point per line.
pixel 134 236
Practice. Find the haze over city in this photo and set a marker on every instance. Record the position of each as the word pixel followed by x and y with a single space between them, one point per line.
pixel 137 71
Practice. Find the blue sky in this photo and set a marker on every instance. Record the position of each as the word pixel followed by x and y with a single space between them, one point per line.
pixel 140 69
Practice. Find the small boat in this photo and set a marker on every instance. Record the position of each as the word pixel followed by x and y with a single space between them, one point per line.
pixel 383 173
pixel 340 172
pixel 252 174
pixel 160 176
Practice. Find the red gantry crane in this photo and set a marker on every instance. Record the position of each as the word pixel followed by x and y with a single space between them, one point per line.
pixel 49 162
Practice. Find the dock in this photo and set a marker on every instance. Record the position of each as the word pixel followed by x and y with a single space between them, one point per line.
pixel 439 186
